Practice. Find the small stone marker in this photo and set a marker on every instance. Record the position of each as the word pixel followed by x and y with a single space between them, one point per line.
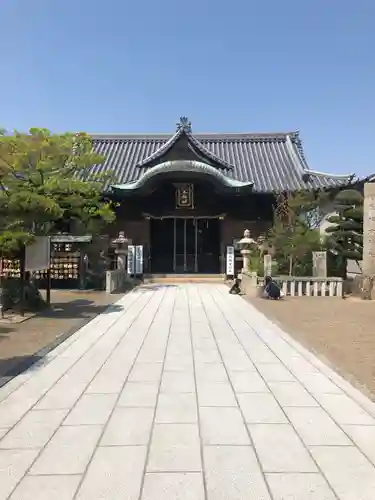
pixel 319 264
pixel 267 263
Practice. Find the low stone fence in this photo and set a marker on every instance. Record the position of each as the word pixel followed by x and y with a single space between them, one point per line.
pixel 294 286
pixel 115 280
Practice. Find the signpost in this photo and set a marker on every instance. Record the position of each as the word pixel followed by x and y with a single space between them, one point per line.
pixel 131 260
pixel 138 260
pixel 38 254
pixel 230 261
pixel 38 258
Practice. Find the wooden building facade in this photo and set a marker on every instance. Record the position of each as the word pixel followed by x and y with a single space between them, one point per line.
pixel 185 197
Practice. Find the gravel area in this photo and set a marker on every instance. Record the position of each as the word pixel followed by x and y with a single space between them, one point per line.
pixel 341 332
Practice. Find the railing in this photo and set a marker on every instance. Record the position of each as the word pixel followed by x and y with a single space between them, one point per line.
pixel 115 280
pixel 294 286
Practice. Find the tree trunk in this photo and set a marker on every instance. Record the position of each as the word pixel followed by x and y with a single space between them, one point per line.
pixel 290 265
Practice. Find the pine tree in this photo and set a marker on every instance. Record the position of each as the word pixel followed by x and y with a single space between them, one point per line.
pixel 345 235
pixel 43 189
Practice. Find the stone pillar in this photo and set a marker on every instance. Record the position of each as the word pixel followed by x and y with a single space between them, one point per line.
pixel 121 260
pixel 319 264
pixel 245 260
pixel 369 230
pixel 267 263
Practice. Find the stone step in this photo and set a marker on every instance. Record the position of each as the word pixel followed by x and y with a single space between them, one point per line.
pixel 184 278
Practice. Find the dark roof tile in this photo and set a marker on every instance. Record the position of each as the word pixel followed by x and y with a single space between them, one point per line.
pixel 274 162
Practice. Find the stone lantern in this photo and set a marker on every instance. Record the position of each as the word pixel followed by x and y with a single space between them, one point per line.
pixel 121 250
pixel 246 245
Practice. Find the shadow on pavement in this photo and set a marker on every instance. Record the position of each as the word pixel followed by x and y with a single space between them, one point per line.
pixel 79 308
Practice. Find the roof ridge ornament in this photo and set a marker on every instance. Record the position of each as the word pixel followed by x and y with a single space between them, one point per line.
pixel 184 124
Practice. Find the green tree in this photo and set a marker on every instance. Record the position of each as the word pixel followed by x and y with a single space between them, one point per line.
pixel 294 235
pixel 44 187
pixel 345 235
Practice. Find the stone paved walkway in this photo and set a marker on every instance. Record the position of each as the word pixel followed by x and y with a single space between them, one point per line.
pixel 184 393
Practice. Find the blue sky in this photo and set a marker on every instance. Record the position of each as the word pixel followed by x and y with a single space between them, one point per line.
pixel 230 66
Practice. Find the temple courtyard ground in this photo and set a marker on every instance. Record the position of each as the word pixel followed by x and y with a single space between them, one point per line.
pixel 23 342
pixel 340 332
pixel 184 393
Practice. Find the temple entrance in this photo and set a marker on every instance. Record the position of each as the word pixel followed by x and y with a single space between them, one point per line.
pixel 185 245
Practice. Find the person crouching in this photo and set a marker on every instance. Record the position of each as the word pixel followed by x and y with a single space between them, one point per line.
pixel 271 290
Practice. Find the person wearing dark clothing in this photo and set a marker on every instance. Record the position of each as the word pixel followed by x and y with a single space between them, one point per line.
pixel 236 287
pixel 271 290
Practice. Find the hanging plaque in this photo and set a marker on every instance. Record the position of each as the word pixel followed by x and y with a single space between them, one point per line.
pixel 185 196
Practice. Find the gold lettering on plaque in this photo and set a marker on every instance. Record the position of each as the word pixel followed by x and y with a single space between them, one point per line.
pixel 185 196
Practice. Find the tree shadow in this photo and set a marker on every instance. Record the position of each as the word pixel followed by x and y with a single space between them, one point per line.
pixel 11 367
pixel 154 286
pixel 79 308
pixel 5 329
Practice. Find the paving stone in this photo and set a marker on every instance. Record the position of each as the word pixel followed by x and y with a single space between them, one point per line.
pixel 204 343
pixel 3 432
pixel 128 426
pixel 179 363
pixel 146 372
pixel 344 410
pixel 151 355
pixel 69 451
pixel 111 378
pixel 115 473
pixel 222 426
pixel 261 409
pixel 233 472
pixel 238 361
pixel 244 381
pixel 177 382
pixel 173 486
pixel 62 396
pixel 13 466
pixel 175 447
pixel 138 394
pixel 176 408
pixel 47 488
pixel 216 394
pixel 299 487
pixel 207 356
pixel 275 372
pixel 317 383
pixel 364 437
pixel 211 372
pixel 315 427
pixel 280 450
pixel 34 430
pixel 92 409
pixel 291 394
pixel 298 365
pixel 349 473
pixel 260 353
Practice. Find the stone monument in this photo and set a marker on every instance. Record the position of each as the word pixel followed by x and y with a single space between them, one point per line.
pixel 369 229
pixel 319 264
pixel 368 265
pixel 267 263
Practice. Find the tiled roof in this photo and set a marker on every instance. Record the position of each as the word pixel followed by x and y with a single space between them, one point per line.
pixel 273 162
